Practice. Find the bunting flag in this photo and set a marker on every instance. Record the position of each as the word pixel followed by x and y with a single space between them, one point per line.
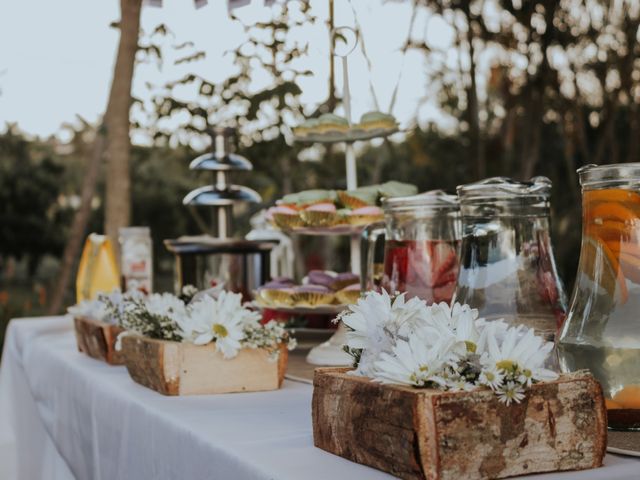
pixel 232 4
pixel 158 3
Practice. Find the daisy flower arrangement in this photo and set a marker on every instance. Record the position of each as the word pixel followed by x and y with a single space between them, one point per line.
pixel 399 341
pixel 222 320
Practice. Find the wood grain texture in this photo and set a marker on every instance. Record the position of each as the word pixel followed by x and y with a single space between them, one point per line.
pixel 174 368
pixel 98 339
pixel 435 435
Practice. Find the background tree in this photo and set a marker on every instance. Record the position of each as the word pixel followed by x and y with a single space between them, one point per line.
pixel 113 138
pixel 118 191
pixel 524 88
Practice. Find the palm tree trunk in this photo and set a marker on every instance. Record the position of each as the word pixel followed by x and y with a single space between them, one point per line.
pixel 112 137
pixel 118 191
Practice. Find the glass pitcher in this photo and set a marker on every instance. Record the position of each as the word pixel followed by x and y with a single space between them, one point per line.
pixel 602 332
pixel 507 267
pixel 421 237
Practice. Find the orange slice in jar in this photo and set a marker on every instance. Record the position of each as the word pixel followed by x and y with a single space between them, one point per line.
pixel 628 397
pixel 612 195
pixel 612 230
pixel 610 274
pixel 630 265
pixel 601 212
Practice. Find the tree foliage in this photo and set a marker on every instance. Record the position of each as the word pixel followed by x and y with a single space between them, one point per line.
pixel 30 212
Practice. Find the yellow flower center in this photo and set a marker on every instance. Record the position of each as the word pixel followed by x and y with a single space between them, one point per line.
pixel 506 365
pixel 471 347
pixel 220 330
pixel 490 376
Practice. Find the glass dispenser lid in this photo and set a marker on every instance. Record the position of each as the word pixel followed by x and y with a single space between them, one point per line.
pixel 503 188
pixel 433 199
pixel 608 176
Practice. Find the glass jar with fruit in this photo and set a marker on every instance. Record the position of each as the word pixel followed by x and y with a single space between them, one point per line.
pixel 421 237
pixel 602 332
pixel 507 267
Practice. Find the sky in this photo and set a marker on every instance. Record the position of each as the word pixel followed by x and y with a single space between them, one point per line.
pixel 57 57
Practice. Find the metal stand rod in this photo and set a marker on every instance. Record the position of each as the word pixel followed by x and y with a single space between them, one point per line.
pixel 350 164
pixel 331 352
pixel 352 184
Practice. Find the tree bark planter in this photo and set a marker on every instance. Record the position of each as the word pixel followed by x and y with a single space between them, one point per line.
pixel 97 339
pixel 175 368
pixel 436 435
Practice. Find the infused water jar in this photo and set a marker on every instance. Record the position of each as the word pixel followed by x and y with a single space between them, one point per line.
pixel 507 267
pixel 421 238
pixel 602 331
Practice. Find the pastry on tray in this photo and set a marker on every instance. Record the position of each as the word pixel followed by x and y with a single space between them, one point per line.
pixel 286 217
pixel 349 295
pixel 371 121
pixel 308 197
pixel 321 209
pixel 365 215
pixel 332 280
pixel 397 189
pixel 277 297
pixel 320 215
pixel 329 123
pixel 312 295
pixel 306 128
pixel 360 197
pixel 277 292
pixel 319 289
pixel 345 279
pixel 330 126
pixel 323 278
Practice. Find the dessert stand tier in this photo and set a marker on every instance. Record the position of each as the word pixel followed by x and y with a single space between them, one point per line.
pixel 348 137
pixel 326 231
pixel 331 352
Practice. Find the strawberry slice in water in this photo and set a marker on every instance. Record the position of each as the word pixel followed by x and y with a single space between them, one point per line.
pixel 444 293
pixel 444 263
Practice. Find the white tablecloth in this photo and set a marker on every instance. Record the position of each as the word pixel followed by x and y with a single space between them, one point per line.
pixel 64 415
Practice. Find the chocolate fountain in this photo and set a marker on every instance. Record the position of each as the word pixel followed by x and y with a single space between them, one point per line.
pixel 216 258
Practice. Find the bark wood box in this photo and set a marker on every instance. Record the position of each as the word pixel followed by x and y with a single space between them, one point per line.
pixel 97 339
pixel 175 368
pixel 436 435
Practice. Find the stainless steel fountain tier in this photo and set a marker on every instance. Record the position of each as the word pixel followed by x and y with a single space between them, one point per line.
pixel 217 258
pixel 221 195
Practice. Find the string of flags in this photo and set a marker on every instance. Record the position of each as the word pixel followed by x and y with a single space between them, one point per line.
pixel 231 4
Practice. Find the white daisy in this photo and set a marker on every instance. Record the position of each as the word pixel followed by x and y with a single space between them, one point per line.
pixel 165 305
pixel 221 320
pixel 460 321
pixel 491 377
pixel 375 322
pixel 510 392
pixel 519 352
pixel 230 304
pixel 413 363
pixel 93 309
pixel 460 385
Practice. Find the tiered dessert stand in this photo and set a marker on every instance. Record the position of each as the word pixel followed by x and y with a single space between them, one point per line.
pixel 331 352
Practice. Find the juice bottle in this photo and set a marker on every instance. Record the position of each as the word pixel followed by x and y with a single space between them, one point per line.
pixel 602 332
